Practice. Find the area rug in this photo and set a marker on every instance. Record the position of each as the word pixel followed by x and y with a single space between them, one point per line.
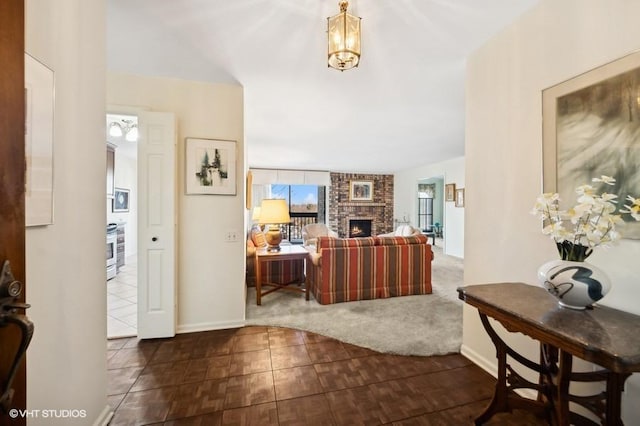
pixel 409 325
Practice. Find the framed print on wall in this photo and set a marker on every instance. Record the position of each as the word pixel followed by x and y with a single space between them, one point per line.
pixel 590 127
pixel 210 166
pixel 39 97
pixel 460 197
pixel 120 200
pixel 361 190
pixel 450 192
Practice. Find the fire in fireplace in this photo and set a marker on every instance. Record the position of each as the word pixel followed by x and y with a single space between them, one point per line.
pixel 360 227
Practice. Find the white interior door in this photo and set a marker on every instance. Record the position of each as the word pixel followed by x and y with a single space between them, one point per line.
pixel 156 225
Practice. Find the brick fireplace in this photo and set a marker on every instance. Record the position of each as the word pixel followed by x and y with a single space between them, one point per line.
pixel 378 211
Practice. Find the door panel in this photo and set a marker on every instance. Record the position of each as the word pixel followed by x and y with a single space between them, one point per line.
pixel 12 163
pixel 156 225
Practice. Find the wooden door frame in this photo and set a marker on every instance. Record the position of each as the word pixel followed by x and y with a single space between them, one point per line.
pixel 12 180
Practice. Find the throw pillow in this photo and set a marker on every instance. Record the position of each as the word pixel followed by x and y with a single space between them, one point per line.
pixel 403 231
pixel 258 238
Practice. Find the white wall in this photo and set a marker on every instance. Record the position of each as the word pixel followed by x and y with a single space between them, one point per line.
pixel 66 362
pixel 405 196
pixel 211 289
pixel 552 43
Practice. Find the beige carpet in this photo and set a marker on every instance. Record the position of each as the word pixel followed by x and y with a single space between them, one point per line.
pixel 410 325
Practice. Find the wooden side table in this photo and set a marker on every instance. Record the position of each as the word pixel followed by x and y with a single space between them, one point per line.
pixel 604 336
pixel 291 252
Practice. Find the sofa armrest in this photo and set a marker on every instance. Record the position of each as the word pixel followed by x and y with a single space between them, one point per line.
pixel 316 258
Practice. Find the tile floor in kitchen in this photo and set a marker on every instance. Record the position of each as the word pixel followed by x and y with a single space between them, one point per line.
pixel 122 301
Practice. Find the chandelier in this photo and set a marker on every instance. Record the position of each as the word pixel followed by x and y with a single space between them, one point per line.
pixel 344 39
pixel 125 127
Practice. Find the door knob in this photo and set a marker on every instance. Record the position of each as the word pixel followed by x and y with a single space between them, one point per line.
pixel 10 290
pixel 154 239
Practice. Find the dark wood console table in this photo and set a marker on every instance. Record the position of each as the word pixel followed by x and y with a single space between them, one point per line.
pixel 607 337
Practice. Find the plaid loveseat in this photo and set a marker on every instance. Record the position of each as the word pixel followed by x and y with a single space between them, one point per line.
pixel 347 269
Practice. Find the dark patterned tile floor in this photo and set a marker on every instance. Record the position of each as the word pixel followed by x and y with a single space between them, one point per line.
pixel 278 376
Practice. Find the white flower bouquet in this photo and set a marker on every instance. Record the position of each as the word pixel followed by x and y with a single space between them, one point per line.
pixel 592 221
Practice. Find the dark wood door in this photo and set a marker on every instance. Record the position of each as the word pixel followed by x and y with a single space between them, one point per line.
pixel 12 163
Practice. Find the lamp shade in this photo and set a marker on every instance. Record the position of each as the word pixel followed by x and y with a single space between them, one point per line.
pixel 344 39
pixel 256 214
pixel 274 211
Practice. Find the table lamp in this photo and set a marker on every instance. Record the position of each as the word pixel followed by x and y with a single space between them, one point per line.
pixel 273 212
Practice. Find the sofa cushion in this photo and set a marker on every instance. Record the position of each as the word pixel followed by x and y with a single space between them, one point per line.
pixel 390 241
pixel 330 242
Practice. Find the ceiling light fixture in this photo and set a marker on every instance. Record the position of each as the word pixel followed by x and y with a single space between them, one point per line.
pixel 343 30
pixel 124 127
pixel 115 130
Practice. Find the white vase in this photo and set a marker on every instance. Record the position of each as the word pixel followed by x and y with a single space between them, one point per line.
pixel 576 285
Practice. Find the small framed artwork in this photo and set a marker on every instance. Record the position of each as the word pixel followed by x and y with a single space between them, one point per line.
pixel 460 197
pixel 210 167
pixel 120 200
pixel 450 192
pixel 361 190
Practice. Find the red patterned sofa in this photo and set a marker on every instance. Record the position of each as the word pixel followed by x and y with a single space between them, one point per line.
pixel 348 269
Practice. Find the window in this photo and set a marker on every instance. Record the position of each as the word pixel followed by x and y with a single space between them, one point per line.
pixel 425 214
pixel 425 206
pixel 306 205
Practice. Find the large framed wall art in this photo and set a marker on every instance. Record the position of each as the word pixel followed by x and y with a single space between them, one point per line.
pixel 361 190
pixel 210 166
pixel 591 127
pixel 39 95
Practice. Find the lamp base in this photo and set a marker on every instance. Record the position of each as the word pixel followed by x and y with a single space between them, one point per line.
pixel 274 238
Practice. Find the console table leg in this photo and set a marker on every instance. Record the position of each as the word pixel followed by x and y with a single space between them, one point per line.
pixel 562 391
pixel 499 402
pixel 615 386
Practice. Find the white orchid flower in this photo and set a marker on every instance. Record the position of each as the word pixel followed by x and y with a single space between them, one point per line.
pixel 593 218
pixel 605 179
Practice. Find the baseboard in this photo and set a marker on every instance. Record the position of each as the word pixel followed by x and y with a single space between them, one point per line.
pixel 208 326
pixel 105 417
pixel 492 368
pixel 488 366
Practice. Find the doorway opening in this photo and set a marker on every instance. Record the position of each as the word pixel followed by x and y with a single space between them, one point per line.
pixel 122 224
pixel 430 202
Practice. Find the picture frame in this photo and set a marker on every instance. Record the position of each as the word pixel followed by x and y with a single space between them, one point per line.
pixel 589 122
pixel 361 190
pixel 120 200
pixel 459 197
pixel 39 111
pixel 210 166
pixel 450 192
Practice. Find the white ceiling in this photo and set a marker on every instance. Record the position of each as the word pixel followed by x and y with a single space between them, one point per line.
pixel 403 107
